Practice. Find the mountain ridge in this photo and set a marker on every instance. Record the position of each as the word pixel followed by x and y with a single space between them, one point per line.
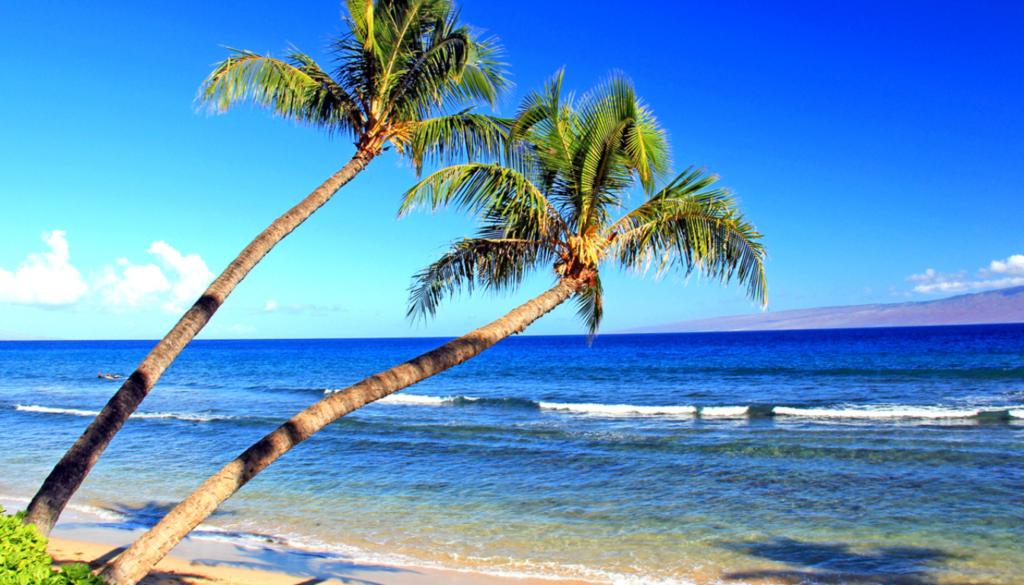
pixel 12 336
pixel 996 306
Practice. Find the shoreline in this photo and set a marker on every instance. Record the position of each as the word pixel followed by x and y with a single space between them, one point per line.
pixel 81 536
pixel 264 567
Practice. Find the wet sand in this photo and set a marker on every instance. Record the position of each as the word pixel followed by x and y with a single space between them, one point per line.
pixel 206 562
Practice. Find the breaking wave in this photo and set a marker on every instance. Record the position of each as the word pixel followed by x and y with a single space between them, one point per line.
pixel 876 412
pixel 157 415
pixel 850 412
pixel 620 409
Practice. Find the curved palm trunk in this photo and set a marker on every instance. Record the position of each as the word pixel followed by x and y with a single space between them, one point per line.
pixel 69 473
pixel 147 551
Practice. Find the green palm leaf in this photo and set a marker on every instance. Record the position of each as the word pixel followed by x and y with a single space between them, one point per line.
pixel 497 265
pixel 482 189
pixel 459 136
pixel 686 224
pixel 590 307
pixel 299 91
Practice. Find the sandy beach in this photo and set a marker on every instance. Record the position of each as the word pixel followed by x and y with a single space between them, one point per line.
pixel 175 571
pixel 206 562
pixel 81 537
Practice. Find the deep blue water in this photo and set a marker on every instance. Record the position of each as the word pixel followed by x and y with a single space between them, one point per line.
pixel 834 456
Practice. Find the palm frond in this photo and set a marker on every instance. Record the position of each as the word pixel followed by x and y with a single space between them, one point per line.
pixel 689 226
pixel 618 124
pixel 360 18
pixel 447 138
pixel 498 265
pixel 299 90
pixel 590 307
pixel 536 107
pixel 484 78
pixel 481 189
pixel 453 68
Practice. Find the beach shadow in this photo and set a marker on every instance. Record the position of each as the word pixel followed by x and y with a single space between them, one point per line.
pixel 154 577
pixel 260 553
pixel 147 515
pixel 319 567
pixel 104 559
pixel 829 563
pixel 158 578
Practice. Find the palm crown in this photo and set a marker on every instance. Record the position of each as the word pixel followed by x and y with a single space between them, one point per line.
pixel 398 73
pixel 568 166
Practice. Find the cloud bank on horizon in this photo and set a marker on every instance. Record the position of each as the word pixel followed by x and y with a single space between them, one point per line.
pixel 272 306
pixel 48 279
pixel 175 281
pixel 999 274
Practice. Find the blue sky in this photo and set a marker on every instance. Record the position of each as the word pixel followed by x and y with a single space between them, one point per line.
pixel 869 142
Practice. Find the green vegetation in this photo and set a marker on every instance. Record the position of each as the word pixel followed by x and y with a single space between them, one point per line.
pixel 23 558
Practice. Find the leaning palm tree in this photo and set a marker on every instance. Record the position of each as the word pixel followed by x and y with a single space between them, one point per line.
pixel 549 204
pixel 400 69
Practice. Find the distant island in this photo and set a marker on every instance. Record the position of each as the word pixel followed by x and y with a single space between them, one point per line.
pixel 11 336
pixel 996 306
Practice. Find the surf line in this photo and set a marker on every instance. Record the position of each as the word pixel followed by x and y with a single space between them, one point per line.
pixel 876 412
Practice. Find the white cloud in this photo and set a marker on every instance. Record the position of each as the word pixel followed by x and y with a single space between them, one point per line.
pixel 141 286
pixel 932 282
pixel 137 286
pixel 951 287
pixel 945 287
pixel 47 278
pixel 1013 266
pixel 273 306
pixel 930 276
pixel 193 276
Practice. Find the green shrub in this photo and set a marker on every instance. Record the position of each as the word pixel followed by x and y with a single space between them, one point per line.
pixel 23 558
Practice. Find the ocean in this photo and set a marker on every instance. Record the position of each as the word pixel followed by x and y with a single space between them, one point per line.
pixel 839 456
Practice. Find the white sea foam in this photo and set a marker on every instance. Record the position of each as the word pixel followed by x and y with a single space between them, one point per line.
pixel 96 513
pixel 606 409
pixel 159 415
pixel 48 410
pixel 619 409
pixel 878 412
pixel 101 513
pixel 724 411
pixel 415 399
pixel 496 566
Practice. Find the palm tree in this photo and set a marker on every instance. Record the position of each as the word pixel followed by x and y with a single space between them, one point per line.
pixel 400 68
pixel 550 203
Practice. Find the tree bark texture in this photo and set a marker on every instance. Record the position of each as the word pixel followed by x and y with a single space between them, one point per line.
pixel 144 553
pixel 69 473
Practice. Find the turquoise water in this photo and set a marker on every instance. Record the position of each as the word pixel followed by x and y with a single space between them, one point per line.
pixel 859 456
